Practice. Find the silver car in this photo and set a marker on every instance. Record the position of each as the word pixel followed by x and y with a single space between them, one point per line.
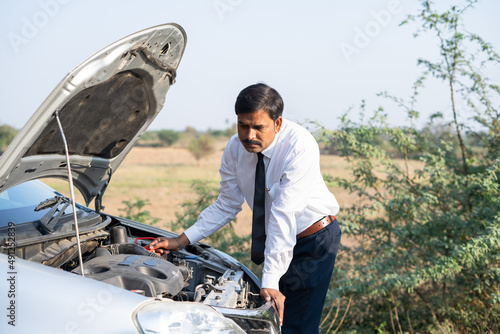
pixel 71 269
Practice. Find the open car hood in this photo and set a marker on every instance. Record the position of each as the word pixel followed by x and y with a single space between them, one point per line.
pixel 104 106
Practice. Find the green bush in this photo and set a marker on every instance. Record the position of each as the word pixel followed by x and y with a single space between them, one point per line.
pixel 201 146
pixel 159 138
pixel 134 210
pixel 168 137
pixel 426 234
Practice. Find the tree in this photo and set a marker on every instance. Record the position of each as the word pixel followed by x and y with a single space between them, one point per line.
pixel 7 133
pixel 201 146
pixel 426 256
pixel 168 137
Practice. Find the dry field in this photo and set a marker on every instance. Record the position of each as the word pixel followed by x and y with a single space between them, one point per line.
pixel 164 177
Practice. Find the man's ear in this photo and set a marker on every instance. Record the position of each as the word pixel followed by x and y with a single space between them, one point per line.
pixel 277 124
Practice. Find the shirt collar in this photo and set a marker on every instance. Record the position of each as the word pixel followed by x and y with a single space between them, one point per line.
pixel 268 152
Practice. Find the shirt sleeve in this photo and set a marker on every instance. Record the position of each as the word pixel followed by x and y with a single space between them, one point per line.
pixel 295 189
pixel 228 203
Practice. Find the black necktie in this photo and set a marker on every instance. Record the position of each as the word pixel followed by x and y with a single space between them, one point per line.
pixel 258 220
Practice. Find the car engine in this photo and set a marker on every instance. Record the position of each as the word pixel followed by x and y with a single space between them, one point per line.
pixel 115 251
pixel 181 276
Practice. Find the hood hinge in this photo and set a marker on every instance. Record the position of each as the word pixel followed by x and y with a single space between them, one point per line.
pixel 98 199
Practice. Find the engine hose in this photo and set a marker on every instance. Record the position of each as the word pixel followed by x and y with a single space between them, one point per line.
pixel 132 249
pixel 198 294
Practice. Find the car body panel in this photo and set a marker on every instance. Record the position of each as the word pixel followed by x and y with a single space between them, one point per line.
pixel 62 302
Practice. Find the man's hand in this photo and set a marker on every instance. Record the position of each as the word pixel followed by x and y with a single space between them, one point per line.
pixel 279 299
pixel 163 245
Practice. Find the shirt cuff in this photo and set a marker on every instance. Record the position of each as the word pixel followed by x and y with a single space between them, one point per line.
pixel 270 281
pixel 193 234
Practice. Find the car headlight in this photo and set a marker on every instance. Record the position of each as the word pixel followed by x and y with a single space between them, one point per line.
pixel 181 318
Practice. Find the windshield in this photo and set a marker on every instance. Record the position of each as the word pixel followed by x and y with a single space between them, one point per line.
pixel 18 203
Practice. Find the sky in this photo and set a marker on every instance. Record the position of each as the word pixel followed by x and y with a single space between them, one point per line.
pixel 322 56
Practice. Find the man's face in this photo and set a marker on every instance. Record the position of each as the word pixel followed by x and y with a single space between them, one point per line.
pixel 256 130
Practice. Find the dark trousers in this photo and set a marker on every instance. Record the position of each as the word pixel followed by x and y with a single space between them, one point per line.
pixel 305 284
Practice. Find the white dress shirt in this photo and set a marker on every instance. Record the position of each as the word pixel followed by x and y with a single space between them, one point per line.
pixel 297 195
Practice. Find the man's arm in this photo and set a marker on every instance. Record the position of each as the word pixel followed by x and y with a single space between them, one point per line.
pixel 222 211
pixel 228 203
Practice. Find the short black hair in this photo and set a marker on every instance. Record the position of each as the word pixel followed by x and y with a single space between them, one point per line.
pixel 259 97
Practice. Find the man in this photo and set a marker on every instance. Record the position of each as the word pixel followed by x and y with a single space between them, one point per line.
pixel 302 236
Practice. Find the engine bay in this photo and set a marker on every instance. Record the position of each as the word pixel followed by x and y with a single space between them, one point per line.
pixel 116 252
pixel 182 276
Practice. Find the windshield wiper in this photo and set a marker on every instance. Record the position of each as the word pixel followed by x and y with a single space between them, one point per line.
pixel 48 203
pixel 48 220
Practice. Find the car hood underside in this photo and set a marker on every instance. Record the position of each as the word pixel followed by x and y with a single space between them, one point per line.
pixel 103 105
